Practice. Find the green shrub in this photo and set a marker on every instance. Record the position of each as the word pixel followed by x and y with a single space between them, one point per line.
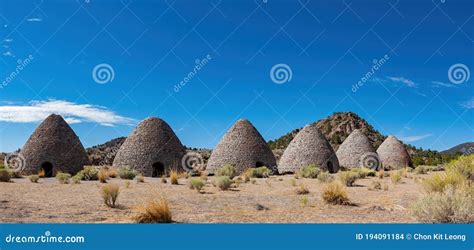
pixel 421 170
pixel 15 174
pixel 223 182
pixel 5 175
pixel 76 179
pixel 127 173
pixel 453 205
pixel 110 193
pixel 364 172
pixel 325 177
pixel 34 178
pixel 226 170
pixel 90 173
pixel 302 189
pixel 439 182
pixel 463 165
pixel 348 178
pixel 63 178
pixel 196 184
pixel 261 172
pixel 310 171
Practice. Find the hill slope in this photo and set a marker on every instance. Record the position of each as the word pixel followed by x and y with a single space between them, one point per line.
pixel 464 148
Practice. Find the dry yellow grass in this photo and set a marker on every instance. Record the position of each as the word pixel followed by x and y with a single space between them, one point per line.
pixel 153 211
pixel 103 175
pixel 174 177
pixel 110 193
pixel 335 193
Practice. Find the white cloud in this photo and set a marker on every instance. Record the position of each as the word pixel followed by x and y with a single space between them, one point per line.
pixel 400 79
pixel 468 104
pixel 8 40
pixel 8 53
pixel 37 111
pixel 414 138
pixel 34 19
pixel 436 83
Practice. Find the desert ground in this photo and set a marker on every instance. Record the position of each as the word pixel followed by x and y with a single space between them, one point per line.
pixel 268 200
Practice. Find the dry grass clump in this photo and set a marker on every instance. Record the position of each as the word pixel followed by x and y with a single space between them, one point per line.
pixel 196 184
pixel 325 177
pixel 381 173
pixel 90 173
pixel 222 182
pixel 174 177
pixel 385 187
pixel 139 178
pixel 261 172
pixel 5 175
pixel 127 184
pixel 226 170
pixel 163 179
pixel 304 201
pixel 204 175
pixel 310 171
pixel 335 193
pixel 153 211
pixel 63 178
pixel 76 179
pixel 103 175
pixel 302 189
pixel 112 172
pixel 453 205
pixel 464 165
pixel 127 173
pixel 421 170
pixel 375 185
pixel 110 193
pixel 34 178
pixel 41 173
pixel 348 178
pixel 293 182
pixel 396 177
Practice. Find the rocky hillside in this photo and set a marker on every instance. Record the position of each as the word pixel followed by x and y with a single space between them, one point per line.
pixel 104 154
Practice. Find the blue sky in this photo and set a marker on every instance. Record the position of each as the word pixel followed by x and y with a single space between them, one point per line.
pixel 388 61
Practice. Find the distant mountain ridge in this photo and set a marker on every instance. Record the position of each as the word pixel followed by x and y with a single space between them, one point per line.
pixel 463 148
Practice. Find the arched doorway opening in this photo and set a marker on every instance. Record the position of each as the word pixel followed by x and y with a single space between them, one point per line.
pixel 259 164
pixel 330 167
pixel 47 169
pixel 158 169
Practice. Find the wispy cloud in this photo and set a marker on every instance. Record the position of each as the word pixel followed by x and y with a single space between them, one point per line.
pixel 442 84
pixel 36 111
pixel 8 40
pixel 34 19
pixel 8 53
pixel 414 138
pixel 469 104
pixel 405 81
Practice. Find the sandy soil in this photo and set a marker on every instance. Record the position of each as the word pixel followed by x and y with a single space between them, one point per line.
pixel 51 202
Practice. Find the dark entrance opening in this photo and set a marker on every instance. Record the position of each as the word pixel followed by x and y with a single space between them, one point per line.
pixel 259 164
pixel 330 167
pixel 47 168
pixel 158 169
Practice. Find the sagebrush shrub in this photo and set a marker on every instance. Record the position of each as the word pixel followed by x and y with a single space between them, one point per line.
pixel 325 177
pixel 396 177
pixel 421 170
pixel 348 178
pixel 139 178
pixel 110 193
pixel 335 193
pixel 103 175
pixel 223 182
pixel 438 182
pixel 90 173
pixel 226 170
pixel 196 184
pixel 310 171
pixel 464 165
pixel 63 178
pixel 364 172
pixel 5 175
pixel 127 173
pixel 375 185
pixel 302 189
pixel 34 178
pixel 261 172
